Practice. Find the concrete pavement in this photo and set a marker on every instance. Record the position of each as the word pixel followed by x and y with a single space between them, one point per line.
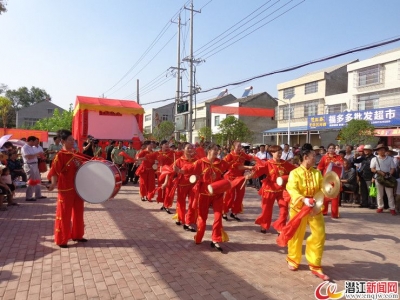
pixel 135 251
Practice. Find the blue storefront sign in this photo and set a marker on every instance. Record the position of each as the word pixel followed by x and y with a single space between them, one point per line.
pixel 389 116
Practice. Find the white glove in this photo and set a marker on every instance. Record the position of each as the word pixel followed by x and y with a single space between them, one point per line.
pixel 309 202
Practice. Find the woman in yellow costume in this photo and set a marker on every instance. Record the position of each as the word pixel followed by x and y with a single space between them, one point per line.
pixel 303 183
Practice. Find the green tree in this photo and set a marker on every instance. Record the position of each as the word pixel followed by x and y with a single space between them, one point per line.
pixel 206 133
pixel 233 129
pixel 23 97
pixel 56 122
pixel 3 88
pixel 358 132
pixel 3 8
pixel 5 105
pixel 183 137
pixel 164 131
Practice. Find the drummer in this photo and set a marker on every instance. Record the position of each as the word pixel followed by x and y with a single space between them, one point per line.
pixel 146 172
pixel 271 191
pixel 185 190
pixel 303 183
pixel 165 157
pixel 208 170
pixel 331 158
pixel 69 213
pixel 233 199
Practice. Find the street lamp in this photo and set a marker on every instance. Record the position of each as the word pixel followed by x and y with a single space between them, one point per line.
pixel 290 113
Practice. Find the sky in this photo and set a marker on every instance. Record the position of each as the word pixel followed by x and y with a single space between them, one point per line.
pixel 101 48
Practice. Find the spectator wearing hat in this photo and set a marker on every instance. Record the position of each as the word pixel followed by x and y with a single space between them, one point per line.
pixel 383 165
pixel 365 176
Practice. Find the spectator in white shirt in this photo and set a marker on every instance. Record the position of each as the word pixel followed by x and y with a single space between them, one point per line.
pixel 262 154
pixel 30 157
pixel 287 154
pixel 383 165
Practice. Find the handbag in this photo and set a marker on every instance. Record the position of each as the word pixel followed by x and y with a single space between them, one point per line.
pixel 373 192
pixel 387 180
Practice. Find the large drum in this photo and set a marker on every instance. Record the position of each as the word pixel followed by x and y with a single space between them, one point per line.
pixel 98 181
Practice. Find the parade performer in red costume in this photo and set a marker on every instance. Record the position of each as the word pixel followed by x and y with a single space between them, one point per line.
pixel 146 172
pixel 69 214
pixel 271 191
pixel 208 170
pixel 185 190
pixel 337 160
pixel 165 157
pixel 233 199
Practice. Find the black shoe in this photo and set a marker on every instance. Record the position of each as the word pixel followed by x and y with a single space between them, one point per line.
pixel 189 228
pixel 30 199
pixel 234 217
pixel 225 217
pixel 63 246
pixel 178 223
pixel 42 197
pixel 143 199
pixel 80 240
pixel 216 246
pixel 262 230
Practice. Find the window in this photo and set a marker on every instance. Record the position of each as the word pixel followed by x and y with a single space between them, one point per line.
pixel 216 120
pixel 368 102
pixel 199 123
pixel 310 109
pixel 50 111
pixel 147 117
pixel 147 129
pixel 285 110
pixel 165 117
pixel 30 122
pixel 335 109
pixel 288 93
pixel 370 75
pixel 311 87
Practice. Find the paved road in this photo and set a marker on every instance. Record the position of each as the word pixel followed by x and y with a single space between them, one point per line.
pixel 135 251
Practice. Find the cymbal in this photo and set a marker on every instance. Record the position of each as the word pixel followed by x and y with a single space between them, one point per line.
pixel 331 185
pixel 319 201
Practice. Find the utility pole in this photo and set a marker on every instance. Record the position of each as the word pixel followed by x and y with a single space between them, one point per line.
pixel 178 76
pixel 191 83
pixel 137 91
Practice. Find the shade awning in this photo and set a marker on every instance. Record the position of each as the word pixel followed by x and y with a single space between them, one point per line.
pixel 108 105
pixel 285 130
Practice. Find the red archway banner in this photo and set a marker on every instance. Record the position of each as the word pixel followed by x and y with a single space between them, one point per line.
pixel 243 111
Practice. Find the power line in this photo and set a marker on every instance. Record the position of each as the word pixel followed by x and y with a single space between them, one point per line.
pixel 246 35
pixel 158 37
pixel 257 9
pixel 145 65
pixel 154 81
pixel 162 83
pixel 346 52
